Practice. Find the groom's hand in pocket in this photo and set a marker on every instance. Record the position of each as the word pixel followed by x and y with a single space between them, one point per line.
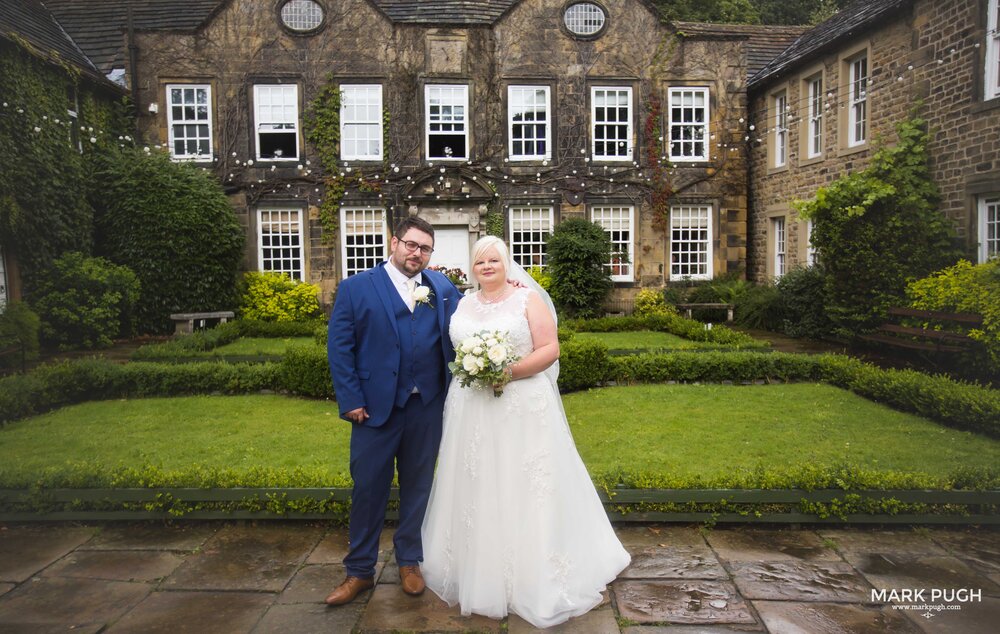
pixel 357 416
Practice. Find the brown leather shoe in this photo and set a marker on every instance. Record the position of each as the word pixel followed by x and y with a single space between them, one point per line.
pixel 349 590
pixel 411 580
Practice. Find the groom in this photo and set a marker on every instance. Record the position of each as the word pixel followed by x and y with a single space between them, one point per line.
pixel 389 350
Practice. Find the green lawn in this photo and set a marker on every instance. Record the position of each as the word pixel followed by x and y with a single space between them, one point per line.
pixel 259 346
pixel 680 429
pixel 644 339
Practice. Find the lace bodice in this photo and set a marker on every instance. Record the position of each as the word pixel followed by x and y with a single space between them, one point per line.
pixel 474 315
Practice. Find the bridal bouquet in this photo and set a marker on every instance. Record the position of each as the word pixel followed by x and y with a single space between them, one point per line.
pixel 482 360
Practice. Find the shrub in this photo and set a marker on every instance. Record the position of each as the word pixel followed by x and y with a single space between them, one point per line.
pixel 651 302
pixel 878 227
pixel 85 302
pixel 969 289
pixel 208 339
pixel 455 275
pixel 305 370
pixel 674 324
pixel 803 313
pixel 759 307
pixel 19 325
pixel 171 223
pixel 577 253
pixel 582 364
pixel 277 297
pixel 542 276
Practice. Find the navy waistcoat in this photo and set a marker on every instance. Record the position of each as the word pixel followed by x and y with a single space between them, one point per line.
pixel 421 364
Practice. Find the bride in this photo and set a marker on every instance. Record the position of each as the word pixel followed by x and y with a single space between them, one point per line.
pixel 514 523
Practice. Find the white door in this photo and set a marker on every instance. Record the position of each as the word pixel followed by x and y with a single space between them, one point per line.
pixel 451 248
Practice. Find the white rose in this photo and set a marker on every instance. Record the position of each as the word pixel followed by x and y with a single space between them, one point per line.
pixel 475 341
pixel 470 365
pixel 491 342
pixel 421 293
pixel 467 345
pixel 477 350
pixel 481 363
pixel 497 354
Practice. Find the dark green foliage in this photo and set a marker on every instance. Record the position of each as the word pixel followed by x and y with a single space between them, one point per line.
pixel 877 228
pixel 44 210
pixel 714 366
pixel 305 370
pixel 208 339
pixel 19 326
pixel 673 324
pixel 171 224
pixel 577 252
pixel 797 11
pixel 803 313
pixel 85 302
pixel 731 11
pixel 759 307
pixel 582 364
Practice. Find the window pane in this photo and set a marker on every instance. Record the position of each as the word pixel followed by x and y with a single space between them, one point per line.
pixel 280 228
pixel 363 241
pixel 188 124
pixel 690 242
pixel 617 223
pixel 530 227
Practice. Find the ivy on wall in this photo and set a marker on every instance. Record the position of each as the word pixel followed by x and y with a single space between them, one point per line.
pixel 45 155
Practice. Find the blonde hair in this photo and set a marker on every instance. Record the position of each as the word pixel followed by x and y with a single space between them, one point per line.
pixel 491 242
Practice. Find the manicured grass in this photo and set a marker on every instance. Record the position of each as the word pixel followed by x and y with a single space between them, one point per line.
pixel 644 339
pixel 703 430
pixel 260 346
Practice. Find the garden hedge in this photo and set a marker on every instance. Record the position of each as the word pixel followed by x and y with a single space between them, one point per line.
pixel 204 340
pixel 669 323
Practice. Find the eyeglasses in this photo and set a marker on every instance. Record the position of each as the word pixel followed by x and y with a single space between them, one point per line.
pixel 413 246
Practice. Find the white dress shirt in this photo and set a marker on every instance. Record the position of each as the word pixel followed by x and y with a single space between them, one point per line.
pixel 399 280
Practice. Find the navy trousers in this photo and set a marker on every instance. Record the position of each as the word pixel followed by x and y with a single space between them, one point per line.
pixel 409 440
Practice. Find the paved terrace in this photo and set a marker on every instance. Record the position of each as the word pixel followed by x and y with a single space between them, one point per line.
pixel 272 577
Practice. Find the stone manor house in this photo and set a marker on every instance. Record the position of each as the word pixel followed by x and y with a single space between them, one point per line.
pixel 328 120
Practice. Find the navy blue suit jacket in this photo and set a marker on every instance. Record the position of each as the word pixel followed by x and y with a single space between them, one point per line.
pixel 363 343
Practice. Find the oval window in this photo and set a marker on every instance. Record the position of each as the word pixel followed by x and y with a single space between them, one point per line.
pixel 302 15
pixel 584 18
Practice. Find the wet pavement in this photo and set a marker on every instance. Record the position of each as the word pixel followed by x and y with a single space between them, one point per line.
pixel 239 577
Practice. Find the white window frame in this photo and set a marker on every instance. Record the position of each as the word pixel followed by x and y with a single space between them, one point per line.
pixel 184 121
pixel 989 228
pixel 357 103
pixel 530 219
pixel 779 230
pixel 439 90
pixel 521 94
pixel 373 218
pixel 857 119
pixel 992 80
pixel 700 245
pixel 814 122
pixel 285 123
pixel 294 221
pixel 779 101
pixel 680 125
pixel 619 125
pixel 603 215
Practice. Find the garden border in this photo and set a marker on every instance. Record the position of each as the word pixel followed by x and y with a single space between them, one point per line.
pixel 980 506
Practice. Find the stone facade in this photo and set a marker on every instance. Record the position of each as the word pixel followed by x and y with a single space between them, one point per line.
pixel 244 44
pixel 928 50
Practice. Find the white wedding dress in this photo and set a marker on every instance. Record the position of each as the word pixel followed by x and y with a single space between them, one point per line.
pixel 514 523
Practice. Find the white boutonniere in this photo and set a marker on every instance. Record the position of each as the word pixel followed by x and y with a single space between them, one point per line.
pixel 423 295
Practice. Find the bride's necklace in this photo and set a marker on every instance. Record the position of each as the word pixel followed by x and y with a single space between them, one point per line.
pixel 492 300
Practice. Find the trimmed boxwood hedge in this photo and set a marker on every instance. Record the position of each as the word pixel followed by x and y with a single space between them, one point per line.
pixel 203 340
pixel 670 323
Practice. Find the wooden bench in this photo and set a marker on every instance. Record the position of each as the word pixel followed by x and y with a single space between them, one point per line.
pixel 14 348
pixel 687 308
pixel 184 323
pixel 925 339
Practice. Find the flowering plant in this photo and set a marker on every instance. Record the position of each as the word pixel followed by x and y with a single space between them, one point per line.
pixel 482 360
pixel 422 295
pixel 456 275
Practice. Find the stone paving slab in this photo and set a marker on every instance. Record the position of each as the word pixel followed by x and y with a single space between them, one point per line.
pixel 600 620
pixel 749 544
pixel 860 541
pixel 261 558
pixel 25 550
pixel 312 584
pixel 184 537
pixel 6 587
pixel 668 553
pixel 390 610
pixel 977 618
pixel 309 618
pixel 215 612
pixel 980 550
pixel 333 547
pixel 907 571
pixel 831 618
pixel 800 581
pixel 68 603
pixel 702 601
pixel 690 629
pixel 127 565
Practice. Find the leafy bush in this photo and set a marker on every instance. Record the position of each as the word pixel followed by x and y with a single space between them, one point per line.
pixel 878 227
pixel 577 253
pixel 455 275
pixel 19 325
pixel 171 223
pixel 277 297
pixel 803 313
pixel 967 289
pixel 674 324
pixel 582 364
pixel 208 339
pixel 542 276
pixel 305 370
pixel 85 302
pixel 651 302
pixel 760 307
